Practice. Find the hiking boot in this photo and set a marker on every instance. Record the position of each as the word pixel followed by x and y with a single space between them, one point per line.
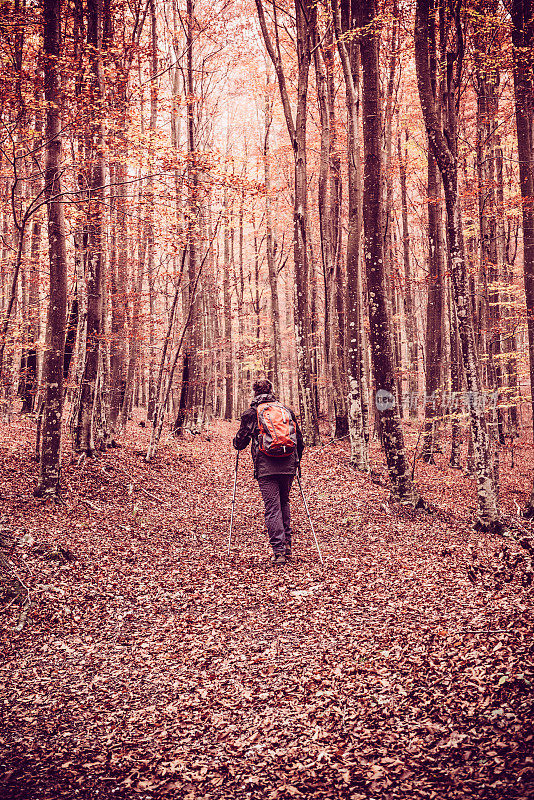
pixel 278 559
pixel 288 551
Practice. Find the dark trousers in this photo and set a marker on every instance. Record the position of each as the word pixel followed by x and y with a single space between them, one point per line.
pixel 275 492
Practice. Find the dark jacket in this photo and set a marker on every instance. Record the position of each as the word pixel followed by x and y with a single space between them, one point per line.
pixel 266 465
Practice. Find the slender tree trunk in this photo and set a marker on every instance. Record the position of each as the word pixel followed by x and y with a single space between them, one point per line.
pixel 33 316
pixel 84 441
pixel 435 295
pixel 33 298
pixel 305 14
pixel 70 338
pixel 509 321
pixel 447 162
pixel 359 451
pixel 240 297
pixel 381 341
pixel 227 302
pixel 271 265
pixel 136 283
pixel 456 387
pixel 434 312
pixel 189 362
pixel 387 209
pixel 118 294
pixel 409 305
pixel 150 216
pixel 50 451
pixel 328 228
pixel 522 12
pixel 487 83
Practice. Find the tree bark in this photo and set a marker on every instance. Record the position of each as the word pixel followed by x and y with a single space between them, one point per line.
pixel 522 12
pixel 227 303
pixel 359 450
pixel 409 305
pixel 511 394
pixel 487 74
pixel 50 450
pixel 118 364
pixel 189 370
pixel 327 207
pixel 84 439
pixel 269 243
pixel 305 16
pixel 150 216
pixel 381 340
pixel 444 149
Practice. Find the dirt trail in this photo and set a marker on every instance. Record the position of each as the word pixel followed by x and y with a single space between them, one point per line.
pixel 154 666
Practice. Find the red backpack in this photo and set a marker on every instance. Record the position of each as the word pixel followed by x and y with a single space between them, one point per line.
pixel 278 433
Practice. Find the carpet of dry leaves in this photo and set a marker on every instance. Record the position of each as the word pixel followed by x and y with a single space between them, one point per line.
pixel 151 665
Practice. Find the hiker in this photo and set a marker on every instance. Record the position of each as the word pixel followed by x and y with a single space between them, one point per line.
pixel 277 446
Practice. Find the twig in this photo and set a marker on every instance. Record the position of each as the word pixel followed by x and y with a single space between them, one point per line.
pixel 23 612
pixel 336 439
pixel 152 496
pixel 25 605
pixel 3 610
pixel 91 505
pixel 139 488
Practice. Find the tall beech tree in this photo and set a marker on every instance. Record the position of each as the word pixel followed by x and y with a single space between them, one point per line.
pixel 305 20
pixel 189 366
pixel 487 44
pixel 356 368
pixel 435 296
pixel 328 207
pixel 443 141
pixel 50 449
pixel 522 13
pixel 379 325
pixel 269 235
pixel 84 438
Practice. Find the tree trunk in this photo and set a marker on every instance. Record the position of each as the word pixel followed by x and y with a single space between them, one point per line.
pixel 435 296
pixel 381 340
pixel 50 451
pixel 328 227
pixel 487 82
pixel 150 216
pixel 189 363
pixel 522 12
pixel 434 312
pixel 240 297
pixel 227 303
pixel 446 158
pixel 118 292
pixel 136 283
pixel 509 322
pixel 359 451
pixel 84 440
pixel 271 265
pixel 305 13
pixel 456 387
pixel 409 305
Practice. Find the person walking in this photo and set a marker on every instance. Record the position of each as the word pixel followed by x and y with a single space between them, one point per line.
pixel 276 449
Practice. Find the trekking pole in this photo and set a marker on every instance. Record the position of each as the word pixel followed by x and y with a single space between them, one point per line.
pixel 311 523
pixel 233 504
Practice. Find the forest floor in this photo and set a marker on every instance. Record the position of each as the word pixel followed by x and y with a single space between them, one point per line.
pixel 152 665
